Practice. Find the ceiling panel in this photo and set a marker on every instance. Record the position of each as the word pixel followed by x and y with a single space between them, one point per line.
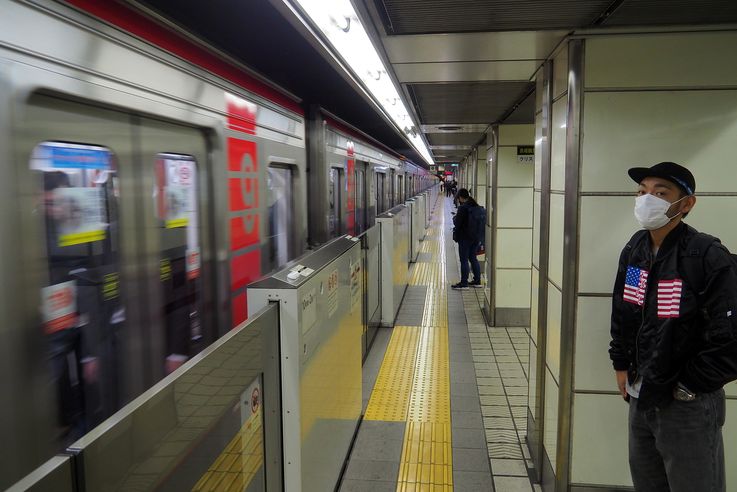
pixel 453 138
pixel 475 46
pixel 465 71
pixel 524 114
pixel 476 102
pixel 665 12
pixel 449 16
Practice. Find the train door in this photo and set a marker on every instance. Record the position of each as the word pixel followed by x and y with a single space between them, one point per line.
pixel 360 208
pixel 71 162
pixel 391 193
pixel 279 181
pixel 111 214
pixel 335 201
pixel 400 189
pixel 170 221
pixel 380 197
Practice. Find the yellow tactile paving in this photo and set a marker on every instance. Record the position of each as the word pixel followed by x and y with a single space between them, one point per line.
pixel 427 460
pixel 391 395
pixel 430 397
pixel 431 274
pixel 436 308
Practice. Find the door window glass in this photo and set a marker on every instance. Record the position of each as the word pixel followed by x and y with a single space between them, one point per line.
pixel 279 180
pixel 80 304
pixel 334 202
pixel 380 197
pixel 360 202
pixel 176 206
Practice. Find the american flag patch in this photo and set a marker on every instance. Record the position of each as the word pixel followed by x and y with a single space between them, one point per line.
pixel 635 284
pixel 669 298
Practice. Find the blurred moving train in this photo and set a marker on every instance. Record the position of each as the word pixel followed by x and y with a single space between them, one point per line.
pixel 145 182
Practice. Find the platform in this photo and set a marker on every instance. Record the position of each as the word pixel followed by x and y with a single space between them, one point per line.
pixel 445 396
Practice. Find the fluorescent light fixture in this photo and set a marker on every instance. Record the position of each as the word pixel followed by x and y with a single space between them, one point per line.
pixel 339 23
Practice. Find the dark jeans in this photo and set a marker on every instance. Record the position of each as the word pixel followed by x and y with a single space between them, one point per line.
pixel 467 253
pixel 678 448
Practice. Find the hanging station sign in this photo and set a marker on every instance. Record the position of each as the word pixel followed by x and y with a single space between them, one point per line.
pixel 526 154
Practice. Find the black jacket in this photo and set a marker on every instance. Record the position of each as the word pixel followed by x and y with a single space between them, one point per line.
pixel 689 338
pixel 462 227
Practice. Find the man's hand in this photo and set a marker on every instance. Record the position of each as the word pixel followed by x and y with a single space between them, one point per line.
pixel 622 383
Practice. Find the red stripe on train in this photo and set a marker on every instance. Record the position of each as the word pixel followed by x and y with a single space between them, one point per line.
pixel 158 35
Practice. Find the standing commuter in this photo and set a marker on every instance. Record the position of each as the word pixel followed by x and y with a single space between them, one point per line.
pixel 674 338
pixel 468 233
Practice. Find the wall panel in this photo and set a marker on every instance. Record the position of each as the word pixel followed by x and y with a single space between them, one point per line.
pixel 600 440
pixel 558 146
pixel 662 61
pixel 555 268
pixel 550 433
pixel 625 129
pixel 512 288
pixel 514 248
pixel 593 369
pixel 552 348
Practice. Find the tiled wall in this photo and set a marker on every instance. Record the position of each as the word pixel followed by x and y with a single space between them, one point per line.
pixel 513 247
pixel 647 99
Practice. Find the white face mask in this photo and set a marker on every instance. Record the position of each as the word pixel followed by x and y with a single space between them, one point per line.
pixel 650 211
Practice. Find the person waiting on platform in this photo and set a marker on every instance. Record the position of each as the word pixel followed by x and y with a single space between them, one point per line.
pixel 674 338
pixel 468 231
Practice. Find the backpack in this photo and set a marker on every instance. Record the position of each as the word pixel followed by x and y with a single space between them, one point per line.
pixel 694 252
pixel 477 223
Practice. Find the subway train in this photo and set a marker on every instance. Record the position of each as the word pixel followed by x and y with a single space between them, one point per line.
pixel 145 182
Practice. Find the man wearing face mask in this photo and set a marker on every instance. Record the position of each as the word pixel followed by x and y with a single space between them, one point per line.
pixel 674 338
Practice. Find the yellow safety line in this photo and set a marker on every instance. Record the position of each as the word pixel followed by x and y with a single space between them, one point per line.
pixel 391 394
pixel 414 379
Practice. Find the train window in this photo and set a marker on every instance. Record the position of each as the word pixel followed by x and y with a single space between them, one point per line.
pixel 335 200
pixel 360 201
pixel 400 189
pixel 176 209
pixel 80 304
pixel 279 181
pixel 380 197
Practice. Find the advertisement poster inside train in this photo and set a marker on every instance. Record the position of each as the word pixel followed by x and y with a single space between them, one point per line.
pixel 175 191
pixel 193 263
pixel 79 214
pixel 59 306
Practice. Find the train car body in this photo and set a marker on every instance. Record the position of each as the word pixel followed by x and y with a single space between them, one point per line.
pixel 141 193
pixel 146 182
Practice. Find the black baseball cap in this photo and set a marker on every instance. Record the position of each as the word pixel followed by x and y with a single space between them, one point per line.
pixel 675 173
